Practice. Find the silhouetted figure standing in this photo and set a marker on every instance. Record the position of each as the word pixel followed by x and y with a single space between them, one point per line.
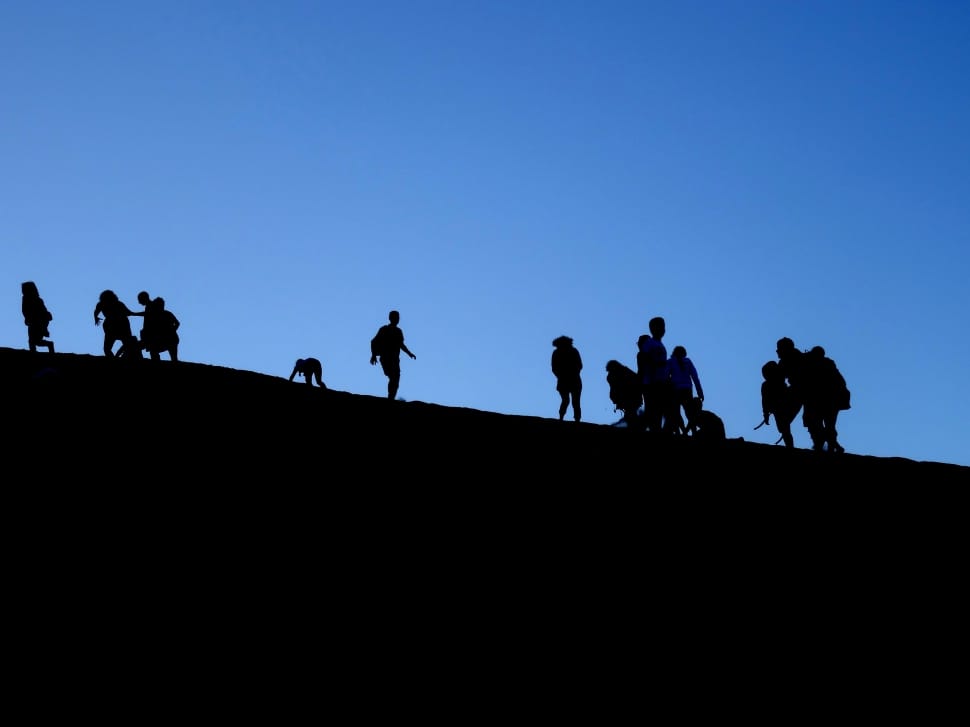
pixel 825 395
pixel 310 369
pixel 655 378
pixel 387 345
pixel 684 382
pixel 160 333
pixel 626 391
pixel 36 317
pixel 116 326
pixel 778 398
pixel 566 367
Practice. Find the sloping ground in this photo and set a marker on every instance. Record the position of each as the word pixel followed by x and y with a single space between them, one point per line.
pixel 89 413
pixel 241 534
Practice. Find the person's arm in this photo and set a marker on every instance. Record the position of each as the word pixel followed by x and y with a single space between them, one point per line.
pixel 97 314
pixel 294 372
pixel 407 350
pixel 697 381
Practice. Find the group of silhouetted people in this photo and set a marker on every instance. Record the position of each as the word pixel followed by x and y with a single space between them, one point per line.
pixel 663 395
pixel 658 397
pixel 159 332
pixel 806 381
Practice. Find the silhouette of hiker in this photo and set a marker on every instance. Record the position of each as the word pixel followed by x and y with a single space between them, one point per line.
pixel 566 367
pixel 655 378
pixel 825 395
pixel 36 317
pixel 684 381
pixel 116 326
pixel 144 299
pixel 626 391
pixel 387 345
pixel 778 398
pixel 311 369
pixel 160 333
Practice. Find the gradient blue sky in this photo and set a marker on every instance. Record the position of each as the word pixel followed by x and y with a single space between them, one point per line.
pixel 284 173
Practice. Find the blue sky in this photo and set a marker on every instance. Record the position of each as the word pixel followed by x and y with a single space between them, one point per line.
pixel 285 173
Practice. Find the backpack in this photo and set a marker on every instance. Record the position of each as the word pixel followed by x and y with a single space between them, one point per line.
pixel 840 390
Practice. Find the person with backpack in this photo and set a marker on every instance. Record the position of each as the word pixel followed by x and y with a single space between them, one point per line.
pixel 566 367
pixel 387 345
pixel 626 392
pixel 36 317
pixel 160 332
pixel 778 399
pixel 826 394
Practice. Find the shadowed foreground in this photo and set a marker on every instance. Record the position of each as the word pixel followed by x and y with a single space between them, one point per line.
pixel 238 527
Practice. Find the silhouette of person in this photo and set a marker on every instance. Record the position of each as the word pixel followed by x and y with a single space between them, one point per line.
pixel 36 317
pixel 144 299
pixel 816 388
pixel 626 391
pixel 655 378
pixel 778 398
pixel 116 326
pixel 159 334
pixel 310 369
pixel 387 345
pixel 684 381
pixel 566 367
pixel 824 387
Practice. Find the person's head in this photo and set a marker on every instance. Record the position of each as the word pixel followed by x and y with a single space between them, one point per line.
pixel 29 288
pixel 107 296
pixel 299 364
pixel 144 298
pixel 613 365
pixel 394 317
pixel 817 351
pixel 658 327
pixel 562 342
pixel 785 347
pixel 679 352
pixel 771 371
pixel 159 303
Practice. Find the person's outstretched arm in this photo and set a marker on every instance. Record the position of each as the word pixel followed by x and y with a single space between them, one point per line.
pixel 294 372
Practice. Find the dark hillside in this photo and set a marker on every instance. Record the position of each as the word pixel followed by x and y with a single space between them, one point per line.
pixel 230 527
pixel 222 424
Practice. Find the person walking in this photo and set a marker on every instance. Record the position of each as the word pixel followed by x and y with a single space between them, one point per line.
pixel 116 327
pixel 566 367
pixel 36 317
pixel 387 345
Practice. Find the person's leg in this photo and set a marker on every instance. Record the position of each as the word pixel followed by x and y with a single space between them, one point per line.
pixel 577 409
pixel 563 404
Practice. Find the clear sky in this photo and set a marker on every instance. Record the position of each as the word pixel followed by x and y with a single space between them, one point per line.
pixel 503 172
